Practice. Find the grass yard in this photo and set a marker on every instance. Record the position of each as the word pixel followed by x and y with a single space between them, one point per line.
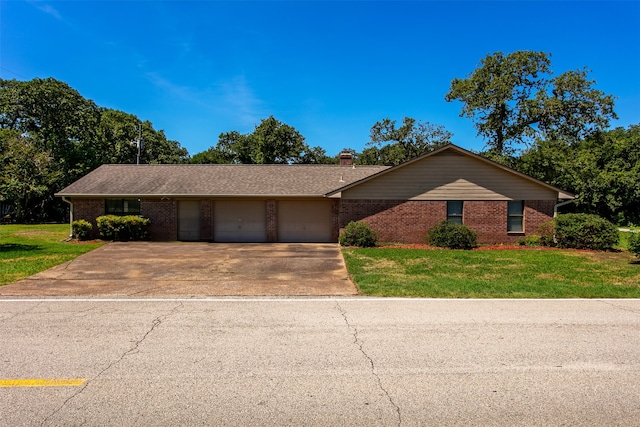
pixel 530 273
pixel 29 249
pixel 624 237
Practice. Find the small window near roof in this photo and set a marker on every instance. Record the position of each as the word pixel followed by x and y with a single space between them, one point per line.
pixel 515 216
pixel 122 206
pixel 454 211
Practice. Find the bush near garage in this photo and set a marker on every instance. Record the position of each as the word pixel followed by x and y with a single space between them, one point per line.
pixel 81 229
pixel 452 235
pixel 585 231
pixel 123 228
pixel 634 244
pixel 358 234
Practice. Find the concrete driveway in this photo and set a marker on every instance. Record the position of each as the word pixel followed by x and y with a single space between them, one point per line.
pixel 194 269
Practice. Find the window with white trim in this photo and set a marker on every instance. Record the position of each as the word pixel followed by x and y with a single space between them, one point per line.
pixel 515 216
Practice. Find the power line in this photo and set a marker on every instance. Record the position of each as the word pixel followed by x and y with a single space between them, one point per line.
pixel 12 72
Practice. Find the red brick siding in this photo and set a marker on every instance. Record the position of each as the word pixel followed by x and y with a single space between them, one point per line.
pixel 408 221
pixel 163 215
pixel 89 210
pixel 537 212
pixel 206 218
pixel 335 220
pixel 272 221
pixel 394 220
pixel 489 220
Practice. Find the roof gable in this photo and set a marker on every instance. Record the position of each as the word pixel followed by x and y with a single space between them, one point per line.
pixel 451 173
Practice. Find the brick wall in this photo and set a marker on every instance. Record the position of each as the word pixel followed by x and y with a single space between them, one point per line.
pixel 206 220
pixel 489 220
pixel 335 219
pixel 408 221
pixel 272 221
pixel 537 212
pixel 394 220
pixel 163 215
pixel 89 210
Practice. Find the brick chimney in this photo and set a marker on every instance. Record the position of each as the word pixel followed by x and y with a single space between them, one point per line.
pixel 346 159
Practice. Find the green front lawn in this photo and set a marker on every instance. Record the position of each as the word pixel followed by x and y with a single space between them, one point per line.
pixel 29 249
pixel 624 237
pixel 505 273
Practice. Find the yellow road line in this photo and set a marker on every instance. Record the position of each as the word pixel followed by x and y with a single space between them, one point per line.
pixel 41 382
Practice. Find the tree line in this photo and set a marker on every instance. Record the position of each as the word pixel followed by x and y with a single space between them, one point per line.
pixel 50 136
pixel 552 127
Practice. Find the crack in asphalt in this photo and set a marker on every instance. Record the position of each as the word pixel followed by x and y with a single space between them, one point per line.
pixel 357 341
pixel 20 313
pixel 630 310
pixel 154 324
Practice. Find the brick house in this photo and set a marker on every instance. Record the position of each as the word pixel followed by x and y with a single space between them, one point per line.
pixel 312 203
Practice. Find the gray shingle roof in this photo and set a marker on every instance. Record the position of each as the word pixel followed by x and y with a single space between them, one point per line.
pixel 217 180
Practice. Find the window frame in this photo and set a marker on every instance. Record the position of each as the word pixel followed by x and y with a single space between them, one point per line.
pixel 453 216
pixel 122 206
pixel 519 216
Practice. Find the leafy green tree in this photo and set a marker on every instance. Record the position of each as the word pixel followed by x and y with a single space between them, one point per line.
pixel 603 170
pixel 157 149
pixel 59 136
pixel 27 175
pixel 237 148
pixel 390 145
pixel 318 156
pixel 210 156
pixel 276 142
pixel 56 118
pixel 271 142
pixel 514 99
pixel 116 132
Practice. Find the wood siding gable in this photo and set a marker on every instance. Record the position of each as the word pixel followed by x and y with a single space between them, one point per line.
pixel 450 175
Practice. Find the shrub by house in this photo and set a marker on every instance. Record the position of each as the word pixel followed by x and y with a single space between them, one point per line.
pixel 358 233
pixel 123 228
pixel 452 235
pixel 585 231
pixel 81 229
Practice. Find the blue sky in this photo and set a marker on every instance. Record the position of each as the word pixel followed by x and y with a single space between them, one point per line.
pixel 331 69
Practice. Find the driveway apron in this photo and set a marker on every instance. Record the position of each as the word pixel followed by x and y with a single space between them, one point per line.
pixel 194 269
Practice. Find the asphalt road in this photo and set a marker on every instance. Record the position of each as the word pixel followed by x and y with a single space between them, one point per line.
pixel 325 361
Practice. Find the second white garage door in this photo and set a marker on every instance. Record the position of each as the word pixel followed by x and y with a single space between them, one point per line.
pixel 304 221
pixel 240 221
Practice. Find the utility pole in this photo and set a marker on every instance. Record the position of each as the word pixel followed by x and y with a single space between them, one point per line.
pixel 138 143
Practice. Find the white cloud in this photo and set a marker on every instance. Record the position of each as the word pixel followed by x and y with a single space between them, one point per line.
pixel 238 100
pixel 46 8
pixel 232 101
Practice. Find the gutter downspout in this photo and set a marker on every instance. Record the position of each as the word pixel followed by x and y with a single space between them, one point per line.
pixel 64 199
pixel 559 204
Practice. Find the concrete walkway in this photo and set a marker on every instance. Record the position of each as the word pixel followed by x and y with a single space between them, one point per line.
pixel 194 269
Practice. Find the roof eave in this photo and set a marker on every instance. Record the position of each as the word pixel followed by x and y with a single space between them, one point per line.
pixel 155 196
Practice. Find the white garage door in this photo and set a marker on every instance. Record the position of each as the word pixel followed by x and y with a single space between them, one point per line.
pixel 240 221
pixel 188 220
pixel 304 221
